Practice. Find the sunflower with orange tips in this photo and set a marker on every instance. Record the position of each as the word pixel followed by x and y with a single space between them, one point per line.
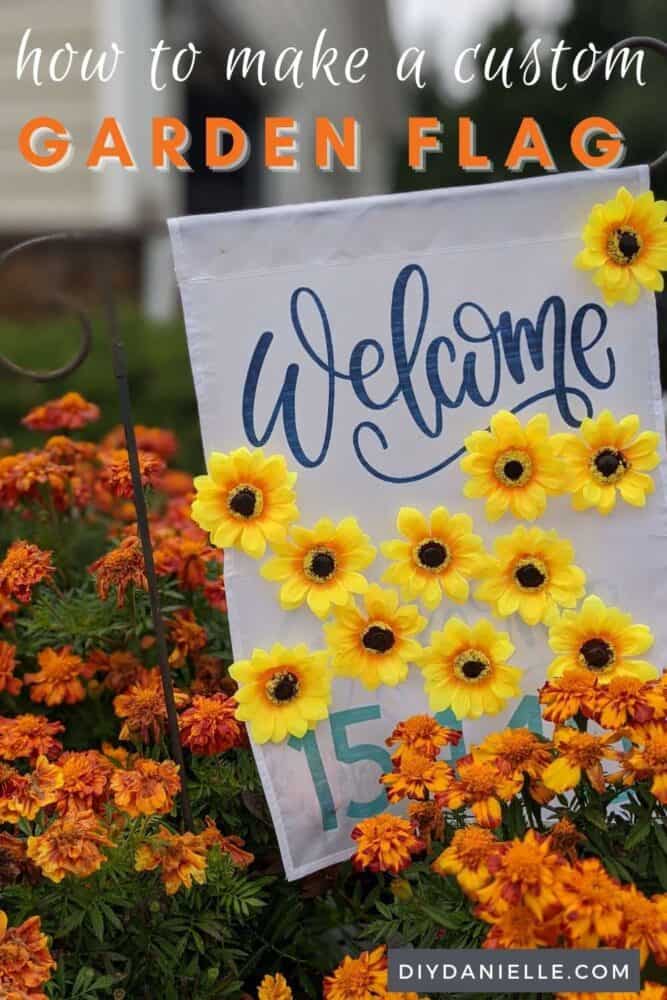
pixel 601 639
pixel 609 457
pixel 437 555
pixel 465 668
pixel 626 246
pixel 514 467
pixel 321 566
pixel 282 692
pixel 531 573
pixel 376 643
pixel 245 500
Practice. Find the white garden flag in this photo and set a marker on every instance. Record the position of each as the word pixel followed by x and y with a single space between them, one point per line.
pixel 364 341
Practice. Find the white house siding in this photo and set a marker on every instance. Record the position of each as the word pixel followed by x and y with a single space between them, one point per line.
pixel 377 103
pixel 32 200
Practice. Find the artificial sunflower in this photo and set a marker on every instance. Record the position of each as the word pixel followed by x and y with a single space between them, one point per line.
pixel 531 573
pixel 601 639
pixel 375 644
pixel 607 457
pixel 514 467
pixel 437 555
pixel 282 691
pixel 466 669
pixel 626 245
pixel 321 565
pixel 245 500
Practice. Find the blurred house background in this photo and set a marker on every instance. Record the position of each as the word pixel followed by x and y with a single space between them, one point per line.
pixel 122 213
pixel 131 206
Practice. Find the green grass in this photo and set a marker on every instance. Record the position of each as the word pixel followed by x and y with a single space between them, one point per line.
pixel 160 378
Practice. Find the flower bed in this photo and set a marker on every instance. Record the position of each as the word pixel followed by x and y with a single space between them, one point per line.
pixel 523 842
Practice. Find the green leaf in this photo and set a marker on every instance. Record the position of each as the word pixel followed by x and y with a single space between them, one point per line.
pixel 660 835
pixel 451 921
pixel 638 834
pixel 97 923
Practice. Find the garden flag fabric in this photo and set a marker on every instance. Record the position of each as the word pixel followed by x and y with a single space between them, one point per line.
pixel 364 340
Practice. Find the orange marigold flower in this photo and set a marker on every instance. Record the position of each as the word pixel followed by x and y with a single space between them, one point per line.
pixel 515 752
pixel 71 845
pixel 155 439
pixel 121 668
pixel 592 910
pixel 385 843
pixel 23 568
pixel 180 486
pixel 181 858
pixel 578 754
pixel 565 838
pixel 185 558
pixel 427 821
pixel 64 451
pixel 416 777
pixel 33 476
pixel 143 708
pixel 23 795
pixel 25 960
pixel 649 991
pixel 29 736
pixel 563 697
pixel 215 593
pixel 423 734
pixel 85 780
pixel 70 412
pixel 362 978
pixel 12 858
pixel 647 760
pixel 626 700
pixel 274 988
pixel 231 845
pixel 516 927
pixel 482 787
pixel 208 727
pixel 524 872
pixel 8 610
pixel 644 924
pixel 116 470
pixel 8 682
pixel 148 788
pixel 187 636
pixel 58 680
pixel 467 858
pixel 119 568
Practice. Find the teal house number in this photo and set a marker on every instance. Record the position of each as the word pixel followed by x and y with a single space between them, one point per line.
pixel 526 715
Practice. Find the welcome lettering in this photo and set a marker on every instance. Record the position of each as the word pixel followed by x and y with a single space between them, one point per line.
pixel 450 363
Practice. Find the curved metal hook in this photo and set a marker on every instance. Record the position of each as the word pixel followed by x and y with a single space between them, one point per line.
pixel 638 42
pixel 86 333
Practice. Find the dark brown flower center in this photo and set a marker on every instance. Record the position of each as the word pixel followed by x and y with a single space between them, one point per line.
pixel 530 576
pixel 597 654
pixel 608 461
pixel 245 502
pixel 283 687
pixel 321 564
pixel 513 470
pixel 514 467
pixel 432 554
pixel 472 669
pixel 628 244
pixel 378 638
